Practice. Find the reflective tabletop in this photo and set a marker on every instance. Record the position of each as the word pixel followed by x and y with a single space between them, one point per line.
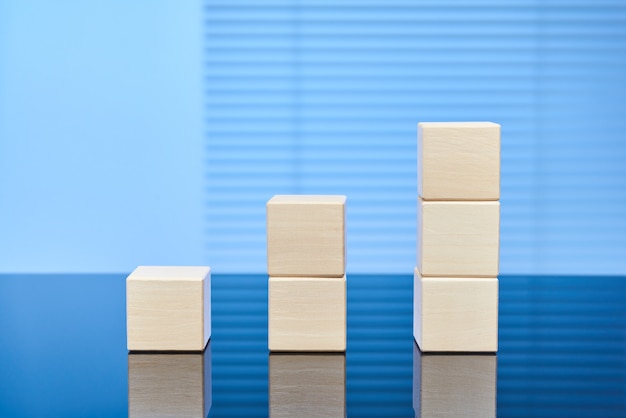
pixel 562 352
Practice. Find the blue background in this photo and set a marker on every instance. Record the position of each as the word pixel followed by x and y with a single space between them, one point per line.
pixel 153 132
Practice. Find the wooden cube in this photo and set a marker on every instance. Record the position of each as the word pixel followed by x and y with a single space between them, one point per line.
pixel 458 160
pixel 307 385
pixel 168 308
pixel 306 236
pixel 169 385
pixel 458 238
pixel 307 314
pixel 454 385
pixel 455 314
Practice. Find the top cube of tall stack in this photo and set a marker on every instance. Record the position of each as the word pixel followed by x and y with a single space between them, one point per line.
pixel 458 160
pixel 306 236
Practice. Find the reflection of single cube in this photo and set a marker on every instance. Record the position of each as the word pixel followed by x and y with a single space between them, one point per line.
pixel 312 385
pixel 307 314
pixel 455 314
pixel 449 385
pixel 458 238
pixel 306 236
pixel 168 308
pixel 169 385
pixel 459 160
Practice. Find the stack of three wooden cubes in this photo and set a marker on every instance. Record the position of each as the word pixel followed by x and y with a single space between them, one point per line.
pixel 458 228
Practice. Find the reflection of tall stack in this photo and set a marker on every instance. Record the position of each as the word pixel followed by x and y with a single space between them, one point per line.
pixel 458 228
pixel 306 264
pixel 454 385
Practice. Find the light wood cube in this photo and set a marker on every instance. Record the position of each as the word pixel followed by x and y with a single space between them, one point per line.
pixel 307 314
pixel 168 308
pixel 306 236
pixel 455 313
pixel 458 160
pixel 169 385
pixel 305 385
pixel 458 238
pixel 454 385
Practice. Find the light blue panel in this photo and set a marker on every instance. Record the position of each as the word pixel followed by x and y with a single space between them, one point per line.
pixel 324 97
pixel 103 107
pixel 101 135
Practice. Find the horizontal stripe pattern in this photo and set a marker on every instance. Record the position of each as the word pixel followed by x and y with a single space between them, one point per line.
pixel 324 97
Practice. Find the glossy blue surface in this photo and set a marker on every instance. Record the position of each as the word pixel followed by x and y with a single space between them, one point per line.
pixel 63 346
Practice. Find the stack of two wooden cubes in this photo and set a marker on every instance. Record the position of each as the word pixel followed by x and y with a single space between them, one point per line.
pixel 306 262
pixel 456 284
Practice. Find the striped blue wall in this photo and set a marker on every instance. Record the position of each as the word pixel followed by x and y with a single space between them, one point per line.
pixel 155 133
pixel 324 97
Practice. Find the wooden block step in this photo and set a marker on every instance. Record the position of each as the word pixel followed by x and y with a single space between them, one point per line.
pixel 452 314
pixel 458 160
pixel 306 236
pixel 168 308
pixel 307 314
pixel 458 238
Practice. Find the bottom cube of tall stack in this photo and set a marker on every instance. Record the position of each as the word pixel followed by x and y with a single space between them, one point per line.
pixel 307 314
pixel 455 314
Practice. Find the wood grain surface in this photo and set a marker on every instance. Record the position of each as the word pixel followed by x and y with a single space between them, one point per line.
pixel 458 160
pixel 168 308
pixel 307 314
pixel 455 313
pixel 306 236
pixel 458 238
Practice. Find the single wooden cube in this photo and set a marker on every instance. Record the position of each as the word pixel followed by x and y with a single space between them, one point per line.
pixel 168 308
pixel 458 238
pixel 169 385
pixel 307 385
pixel 306 236
pixel 455 313
pixel 454 385
pixel 307 314
pixel 458 160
